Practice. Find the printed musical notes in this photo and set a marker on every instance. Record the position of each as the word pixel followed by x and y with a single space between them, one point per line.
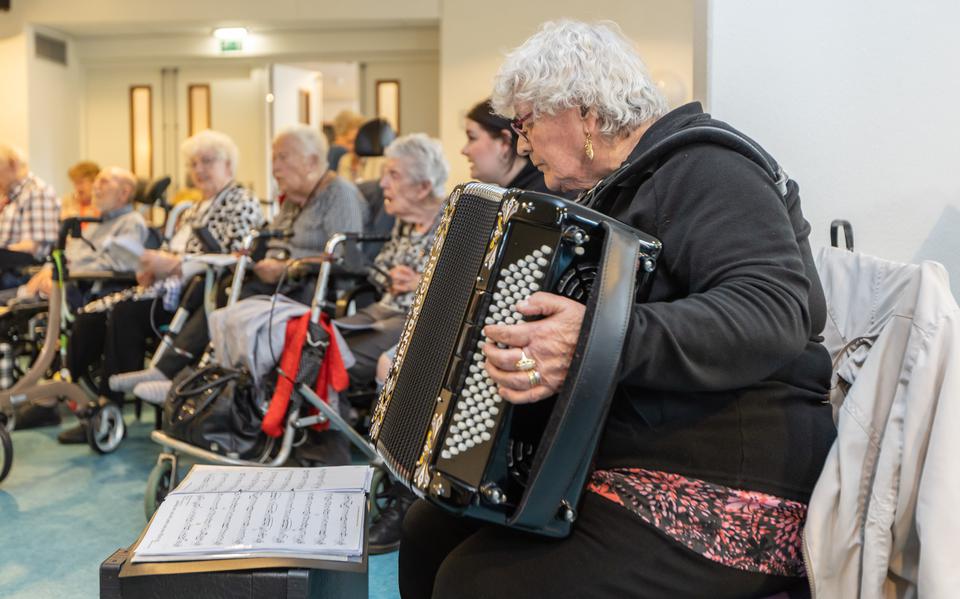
pixel 227 512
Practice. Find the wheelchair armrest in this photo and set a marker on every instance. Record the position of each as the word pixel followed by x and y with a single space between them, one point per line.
pixel 24 307
pixel 105 276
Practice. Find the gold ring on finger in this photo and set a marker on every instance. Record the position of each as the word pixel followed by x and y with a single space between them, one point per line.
pixel 534 376
pixel 525 363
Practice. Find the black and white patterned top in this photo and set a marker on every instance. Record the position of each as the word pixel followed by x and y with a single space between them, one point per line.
pixel 406 247
pixel 232 214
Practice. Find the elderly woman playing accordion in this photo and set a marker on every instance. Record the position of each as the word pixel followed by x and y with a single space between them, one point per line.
pixel 718 429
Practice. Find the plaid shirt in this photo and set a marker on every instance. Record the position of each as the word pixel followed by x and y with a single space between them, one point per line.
pixel 31 210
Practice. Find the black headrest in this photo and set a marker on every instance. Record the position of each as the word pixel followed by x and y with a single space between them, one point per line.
pixel 373 137
pixel 151 193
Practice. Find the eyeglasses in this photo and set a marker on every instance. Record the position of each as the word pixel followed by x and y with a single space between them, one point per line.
pixel 206 161
pixel 517 125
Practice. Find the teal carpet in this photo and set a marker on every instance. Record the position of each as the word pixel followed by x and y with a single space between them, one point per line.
pixel 64 509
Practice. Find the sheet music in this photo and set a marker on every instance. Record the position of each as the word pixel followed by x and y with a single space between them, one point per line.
pixel 220 479
pixel 310 513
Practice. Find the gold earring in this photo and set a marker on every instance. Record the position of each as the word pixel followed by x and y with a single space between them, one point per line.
pixel 588 147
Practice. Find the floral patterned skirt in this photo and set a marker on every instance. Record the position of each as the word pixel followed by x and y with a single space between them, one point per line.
pixel 746 530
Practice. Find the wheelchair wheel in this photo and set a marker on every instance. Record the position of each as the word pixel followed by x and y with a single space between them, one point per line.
pixel 158 485
pixel 6 453
pixel 105 428
pixel 380 483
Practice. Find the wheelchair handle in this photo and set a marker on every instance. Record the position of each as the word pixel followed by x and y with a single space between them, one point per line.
pixel 322 283
pixel 70 227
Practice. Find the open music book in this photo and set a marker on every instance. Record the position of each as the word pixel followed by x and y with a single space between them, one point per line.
pixel 227 512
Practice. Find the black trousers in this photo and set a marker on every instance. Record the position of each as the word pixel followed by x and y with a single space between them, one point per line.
pixel 611 553
pixel 120 336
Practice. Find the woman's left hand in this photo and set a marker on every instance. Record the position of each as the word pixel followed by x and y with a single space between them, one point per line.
pixel 403 279
pixel 269 270
pixel 549 342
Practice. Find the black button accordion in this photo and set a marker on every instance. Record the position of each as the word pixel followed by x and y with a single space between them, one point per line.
pixel 439 424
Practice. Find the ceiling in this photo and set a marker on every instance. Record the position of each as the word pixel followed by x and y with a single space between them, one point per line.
pixel 178 28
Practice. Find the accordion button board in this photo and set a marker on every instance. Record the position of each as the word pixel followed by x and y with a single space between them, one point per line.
pixel 474 416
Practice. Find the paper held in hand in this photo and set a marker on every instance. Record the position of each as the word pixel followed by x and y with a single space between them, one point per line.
pixel 226 512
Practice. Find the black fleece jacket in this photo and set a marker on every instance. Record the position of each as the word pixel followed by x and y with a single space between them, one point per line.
pixel 723 376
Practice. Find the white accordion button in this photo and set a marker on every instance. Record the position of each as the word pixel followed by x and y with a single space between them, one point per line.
pixel 446 454
pixel 485 436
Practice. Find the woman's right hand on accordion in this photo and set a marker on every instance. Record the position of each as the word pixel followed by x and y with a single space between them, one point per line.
pixel 549 342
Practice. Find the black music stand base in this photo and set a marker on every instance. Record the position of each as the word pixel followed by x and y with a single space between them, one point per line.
pixel 273 583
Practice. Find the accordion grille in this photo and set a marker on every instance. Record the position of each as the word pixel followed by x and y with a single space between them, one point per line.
pixel 438 326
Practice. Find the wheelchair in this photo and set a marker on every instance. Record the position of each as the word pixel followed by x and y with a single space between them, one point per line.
pixel 32 353
pixel 47 382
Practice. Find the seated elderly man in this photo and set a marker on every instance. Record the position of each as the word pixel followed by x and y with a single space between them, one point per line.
pixel 29 215
pixel 113 244
pixel 316 204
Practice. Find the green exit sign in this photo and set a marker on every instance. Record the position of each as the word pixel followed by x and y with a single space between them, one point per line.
pixel 231 45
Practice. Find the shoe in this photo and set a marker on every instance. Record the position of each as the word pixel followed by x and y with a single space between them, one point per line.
pixel 73 435
pixel 153 392
pixel 126 381
pixel 34 416
pixel 385 532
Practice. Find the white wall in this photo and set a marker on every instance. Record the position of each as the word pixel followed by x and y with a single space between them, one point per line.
pixel 237 108
pixel 13 114
pixel 107 116
pixel 419 92
pixel 474 39
pixel 857 100
pixel 55 106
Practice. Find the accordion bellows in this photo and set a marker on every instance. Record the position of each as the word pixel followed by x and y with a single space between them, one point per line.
pixel 440 425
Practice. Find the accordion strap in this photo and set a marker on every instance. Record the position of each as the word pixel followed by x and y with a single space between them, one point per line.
pixel 651 159
pixel 588 390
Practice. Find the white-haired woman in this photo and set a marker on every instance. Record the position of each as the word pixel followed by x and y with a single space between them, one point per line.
pixel 414 175
pixel 718 428
pixel 118 328
pixel 227 209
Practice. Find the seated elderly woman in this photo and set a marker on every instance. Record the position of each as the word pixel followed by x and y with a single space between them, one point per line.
pixel 79 202
pixel 414 174
pixel 316 204
pixel 718 426
pixel 119 326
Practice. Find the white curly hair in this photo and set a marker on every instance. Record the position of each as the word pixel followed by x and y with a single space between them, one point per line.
pixel 423 156
pixel 312 142
pixel 569 64
pixel 219 143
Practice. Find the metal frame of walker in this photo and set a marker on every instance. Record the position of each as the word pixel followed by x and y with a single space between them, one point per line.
pixel 105 425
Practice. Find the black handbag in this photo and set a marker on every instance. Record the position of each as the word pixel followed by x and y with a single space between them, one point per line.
pixel 217 409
